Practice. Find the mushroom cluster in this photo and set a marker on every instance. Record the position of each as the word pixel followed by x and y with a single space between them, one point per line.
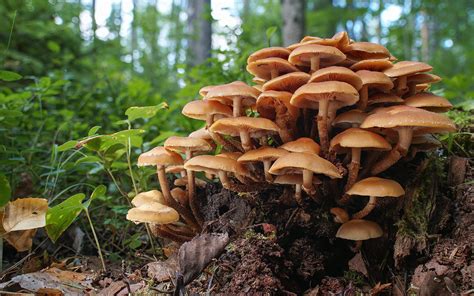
pixel 324 117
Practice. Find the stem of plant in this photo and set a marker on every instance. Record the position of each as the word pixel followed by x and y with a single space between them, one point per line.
pixel 129 162
pixel 96 239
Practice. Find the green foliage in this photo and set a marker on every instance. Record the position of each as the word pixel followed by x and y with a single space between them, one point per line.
pixel 5 190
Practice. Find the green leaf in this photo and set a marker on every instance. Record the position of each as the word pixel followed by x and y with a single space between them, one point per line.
pixel 93 130
pixel 99 191
pixel 53 46
pixel 61 216
pixel 270 32
pixel 67 146
pixel 9 75
pixel 144 112
pixel 5 190
pixel 88 159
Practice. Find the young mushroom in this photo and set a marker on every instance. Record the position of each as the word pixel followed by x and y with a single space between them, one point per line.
pixel 353 141
pixel 303 144
pixel 307 165
pixel 264 154
pixel 162 158
pixel 237 94
pixel 297 180
pixel 378 65
pixel 321 95
pixel 206 110
pixel 269 52
pixel 414 81
pixel 372 80
pixel 289 82
pixel 384 99
pixel 429 101
pixel 315 56
pixel 374 187
pixel 245 127
pixel 351 118
pixel 147 197
pixel 359 230
pixel 365 51
pixel 340 215
pixel 404 120
pixel 402 70
pixel 270 68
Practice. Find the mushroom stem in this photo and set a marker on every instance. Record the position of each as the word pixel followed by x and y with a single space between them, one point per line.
pixel 364 97
pixel 246 140
pixel 221 141
pixel 357 246
pixel 401 85
pixel 353 168
pixel 322 120
pixel 405 135
pixel 170 201
pixel 332 111
pixel 182 230
pixel 165 232
pixel 411 89
pixel 298 195
pixel 191 192
pixel 308 186
pixel 274 72
pixel 224 179
pixel 266 167
pixel 367 209
pixel 315 63
pixel 237 106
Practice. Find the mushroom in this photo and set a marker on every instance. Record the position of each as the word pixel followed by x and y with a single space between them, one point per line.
pixel 353 141
pixel 259 81
pixel 340 215
pixel 306 145
pixel 180 195
pixel 264 154
pixel 206 110
pixel 162 158
pixel 320 95
pixel 365 51
pixel 245 127
pixel 176 169
pixel 337 73
pixel 306 164
pixel 359 230
pixel 289 82
pixel 218 166
pixel 379 65
pixel 183 181
pixel 297 180
pixel 188 146
pixel 402 70
pixel 351 118
pixel 384 99
pixel 372 80
pixel 147 197
pixel 414 81
pixel 204 90
pixel 429 101
pixel 423 143
pixel 269 52
pixel 404 120
pixel 315 56
pixel 238 94
pixel 275 105
pixel 270 68
pixel 153 212
pixel 374 187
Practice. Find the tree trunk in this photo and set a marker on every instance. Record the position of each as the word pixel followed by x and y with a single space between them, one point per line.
pixel 200 31
pixel 94 24
pixel 134 36
pixel 379 22
pixel 425 37
pixel 293 14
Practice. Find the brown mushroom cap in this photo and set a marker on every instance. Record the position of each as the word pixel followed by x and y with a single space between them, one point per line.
pixel 405 68
pixel 349 118
pixel 293 179
pixel 429 101
pixel 146 197
pixel 425 142
pixel 159 156
pixel 201 133
pixel 306 145
pixel 366 50
pixel 385 99
pixel 259 81
pixel 153 213
pixel 358 138
pixel 358 230
pixel 372 65
pixel 204 90
pixel 264 67
pixel 226 92
pixel 262 154
pixel 422 78
pixel 397 116
pixel 200 109
pixel 267 101
pixel 231 155
pixel 310 94
pixel 328 55
pixel 378 187
pixel 213 164
pixel 295 163
pixel 174 169
pixel 336 73
pixel 269 52
pixel 375 79
pixel 256 127
pixel 341 215
pixel 289 82
pixel 183 144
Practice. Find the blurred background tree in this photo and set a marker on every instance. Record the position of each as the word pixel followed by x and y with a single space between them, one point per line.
pixel 84 62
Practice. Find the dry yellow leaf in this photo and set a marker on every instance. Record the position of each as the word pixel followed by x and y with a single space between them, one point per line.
pixel 21 240
pixel 25 213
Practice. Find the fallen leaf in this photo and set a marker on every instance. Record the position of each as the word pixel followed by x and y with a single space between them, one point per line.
pixel 195 255
pixel 48 292
pixel 379 288
pixel 357 264
pixel 25 213
pixel 21 240
pixel 162 271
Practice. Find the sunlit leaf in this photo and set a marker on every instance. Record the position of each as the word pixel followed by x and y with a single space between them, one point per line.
pixel 25 213
pixel 9 76
pixel 93 130
pixel 88 159
pixel 61 216
pixel 67 146
pixel 144 112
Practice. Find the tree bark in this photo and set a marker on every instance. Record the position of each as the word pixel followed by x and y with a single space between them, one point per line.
pixel 425 37
pixel 134 35
pixel 293 14
pixel 200 31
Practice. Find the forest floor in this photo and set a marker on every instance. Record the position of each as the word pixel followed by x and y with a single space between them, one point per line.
pixel 263 242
